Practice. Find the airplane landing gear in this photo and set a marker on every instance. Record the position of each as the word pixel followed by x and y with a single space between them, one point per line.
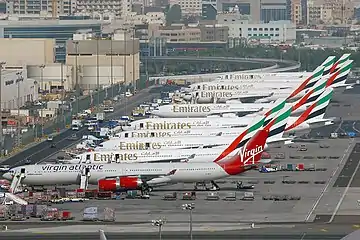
pixel 214 186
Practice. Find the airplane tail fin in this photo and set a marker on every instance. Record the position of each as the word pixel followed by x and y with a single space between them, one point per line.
pixel 102 235
pixel 316 110
pixel 328 64
pixel 308 83
pixel 250 130
pixel 338 78
pixel 273 111
pixel 276 127
pixel 339 62
pixel 248 155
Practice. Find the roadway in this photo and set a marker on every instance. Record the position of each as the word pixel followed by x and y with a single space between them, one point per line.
pixel 273 66
pixel 308 231
pixel 43 150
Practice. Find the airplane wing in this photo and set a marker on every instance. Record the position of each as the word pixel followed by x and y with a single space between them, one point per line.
pixel 243 113
pixel 250 98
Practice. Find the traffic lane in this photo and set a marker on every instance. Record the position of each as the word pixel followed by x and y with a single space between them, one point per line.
pixel 42 150
pixel 38 149
pixel 171 235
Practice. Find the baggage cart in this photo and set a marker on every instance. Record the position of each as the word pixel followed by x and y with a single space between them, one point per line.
pixel 90 214
pixel 109 215
pixel 189 195
pixel 230 197
pixel 170 196
pixel 213 196
pixel 248 196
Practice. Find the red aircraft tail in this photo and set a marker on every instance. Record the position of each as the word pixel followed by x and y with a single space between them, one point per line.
pixel 248 155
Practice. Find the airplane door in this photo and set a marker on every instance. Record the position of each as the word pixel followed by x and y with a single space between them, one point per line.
pixel 22 170
pixel 141 125
pixel 117 157
pixel 127 134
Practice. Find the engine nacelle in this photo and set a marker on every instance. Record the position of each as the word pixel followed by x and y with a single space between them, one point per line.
pixel 120 183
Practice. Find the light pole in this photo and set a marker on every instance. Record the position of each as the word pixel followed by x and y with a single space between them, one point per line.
pixel 1 128
pixel 97 71
pixel 159 223
pixel 77 76
pixel 111 67
pixel 19 79
pixel 189 207
pixel 42 95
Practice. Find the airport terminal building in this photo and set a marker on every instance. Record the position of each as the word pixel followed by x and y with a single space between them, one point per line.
pixel 60 30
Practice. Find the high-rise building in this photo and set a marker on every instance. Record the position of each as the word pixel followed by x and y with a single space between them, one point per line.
pixel 209 9
pixel 188 7
pixel 119 8
pixel 296 11
pixel 274 10
pixel 245 7
pixel 64 7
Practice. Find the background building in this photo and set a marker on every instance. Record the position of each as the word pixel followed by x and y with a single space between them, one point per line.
pixel 16 88
pixel 22 52
pixel 42 7
pixel 104 61
pixel 188 7
pixel 60 30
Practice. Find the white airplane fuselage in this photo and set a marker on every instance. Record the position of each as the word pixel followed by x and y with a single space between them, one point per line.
pixel 205 110
pixel 66 174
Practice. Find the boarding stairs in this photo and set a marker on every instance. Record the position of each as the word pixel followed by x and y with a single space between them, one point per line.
pixel 84 178
pixel 16 182
pixel 15 199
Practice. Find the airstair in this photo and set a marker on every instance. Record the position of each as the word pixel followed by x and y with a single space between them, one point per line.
pixel 15 199
pixel 84 178
pixel 16 182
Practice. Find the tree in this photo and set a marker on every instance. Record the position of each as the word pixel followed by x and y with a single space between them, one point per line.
pixel 173 15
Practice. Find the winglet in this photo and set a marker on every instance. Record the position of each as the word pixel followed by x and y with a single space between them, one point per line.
pixel 316 110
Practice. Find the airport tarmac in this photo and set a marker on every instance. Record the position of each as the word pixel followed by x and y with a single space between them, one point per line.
pixel 317 195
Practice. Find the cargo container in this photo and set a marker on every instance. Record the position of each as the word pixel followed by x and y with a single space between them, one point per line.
pixel 39 210
pixel 290 167
pixel 104 195
pixel 4 213
pixel 300 167
pixel 90 214
pixel 109 214
pixel 65 215
pixel 49 214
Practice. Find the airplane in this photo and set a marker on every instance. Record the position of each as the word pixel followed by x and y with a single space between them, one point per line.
pixel 206 132
pixel 183 124
pixel 229 81
pixel 123 177
pixel 310 119
pixel 313 117
pixel 205 110
pixel 262 95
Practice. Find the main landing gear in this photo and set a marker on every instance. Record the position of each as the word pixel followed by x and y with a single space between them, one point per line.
pixel 214 186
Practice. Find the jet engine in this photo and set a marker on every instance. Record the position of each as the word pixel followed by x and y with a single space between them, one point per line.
pixel 119 184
